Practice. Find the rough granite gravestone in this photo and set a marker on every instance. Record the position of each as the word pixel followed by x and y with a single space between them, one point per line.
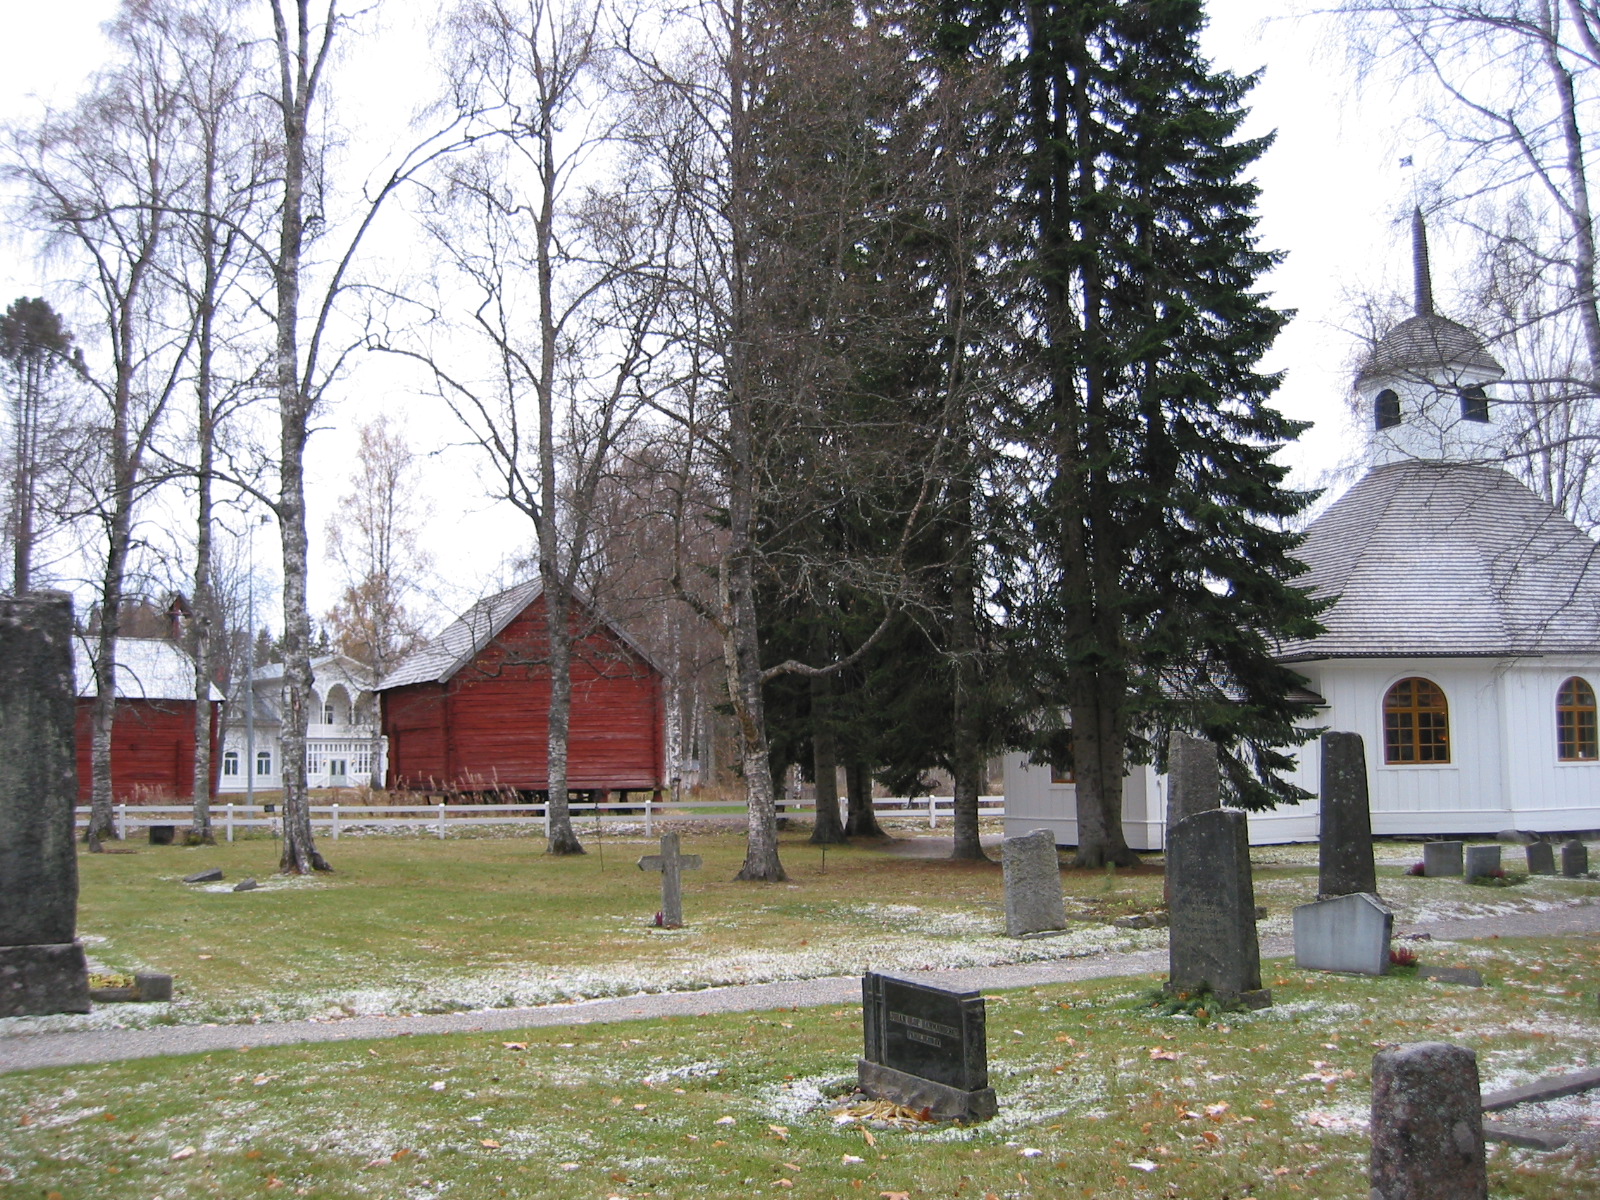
pixel 1348 933
pixel 1212 938
pixel 1441 858
pixel 1033 884
pixel 209 875
pixel 670 863
pixel 1482 860
pixel 925 1048
pixel 1541 858
pixel 1194 784
pixel 42 967
pixel 1345 841
pixel 1574 859
pixel 1427 1124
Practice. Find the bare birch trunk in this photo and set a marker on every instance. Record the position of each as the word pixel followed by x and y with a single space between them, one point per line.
pixel 297 82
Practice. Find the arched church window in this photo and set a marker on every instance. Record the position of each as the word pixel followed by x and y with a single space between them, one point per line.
pixel 1577 729
pixel 1474 404
pixel 1416 723
pixel 1386 409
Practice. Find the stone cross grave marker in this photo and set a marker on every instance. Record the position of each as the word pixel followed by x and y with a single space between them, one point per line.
pixel 1427 1124
pixel 1194 784
pixel 1541 858
pixel 1345 840
pixel 1212 942
pixel 1347 933
pixel 925 1048
pixel 1441 858
pixel 1033 884
pixel 1574 859
pixel 671 864
pixel 1482 860
pixel 42 967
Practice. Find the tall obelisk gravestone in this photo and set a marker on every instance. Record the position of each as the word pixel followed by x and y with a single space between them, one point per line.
pixel 1345 842
pixel 42 968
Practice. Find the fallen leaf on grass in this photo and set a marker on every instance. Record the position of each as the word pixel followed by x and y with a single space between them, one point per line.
pixel 570 1166
pixel 723 1121
pixel 515 1045
pixel 895 1195
pixel 438 1085
pixel 1157 1053
pixel 781 1132
pixel 850 1159
pixel 867 1133
pixel 180 1155
pixel 785 1183
pixel 489 1144
pixel 403 1152
pixel 1142 1164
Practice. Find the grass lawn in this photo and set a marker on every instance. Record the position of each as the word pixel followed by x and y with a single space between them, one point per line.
pixel 1099 1097
pixel 415 924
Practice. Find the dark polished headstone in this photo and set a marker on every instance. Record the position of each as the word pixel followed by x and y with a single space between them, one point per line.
pixel 1541 858
pixel 1345 841
pixel 1212 940
pixel 932 1037
pixel 1427 1124
pixel 163 835
pixel 42 968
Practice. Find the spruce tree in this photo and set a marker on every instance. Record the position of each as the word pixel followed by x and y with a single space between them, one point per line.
pixel 1155 573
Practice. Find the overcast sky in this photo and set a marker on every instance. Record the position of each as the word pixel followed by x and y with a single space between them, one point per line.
pixel 1334 200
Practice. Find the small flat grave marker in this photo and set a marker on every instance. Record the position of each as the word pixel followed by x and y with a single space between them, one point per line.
pixel 1441 858
pixel 1350 933
pixel 925 1049
pixel 671 864
pixel 209 875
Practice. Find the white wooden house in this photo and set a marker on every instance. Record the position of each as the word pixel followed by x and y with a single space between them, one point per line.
pixel 1464 640
pixel 343 746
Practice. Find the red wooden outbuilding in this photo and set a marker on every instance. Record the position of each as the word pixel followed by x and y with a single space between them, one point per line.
pixel 469 711
pixel 152 734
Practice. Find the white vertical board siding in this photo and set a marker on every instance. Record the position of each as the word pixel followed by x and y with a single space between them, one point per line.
pixel 1033 802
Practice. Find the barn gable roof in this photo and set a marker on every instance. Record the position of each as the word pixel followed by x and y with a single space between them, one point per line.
pixel 469 635
pixel 147 669
pixel 1435 559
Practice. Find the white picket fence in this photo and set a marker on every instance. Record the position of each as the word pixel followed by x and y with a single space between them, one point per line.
pixel 335 818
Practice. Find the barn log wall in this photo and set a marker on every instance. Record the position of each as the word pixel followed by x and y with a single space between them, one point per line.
pixel 486 727
pixel 152 749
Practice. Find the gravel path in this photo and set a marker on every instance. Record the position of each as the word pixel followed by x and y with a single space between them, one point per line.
pixel 26 1051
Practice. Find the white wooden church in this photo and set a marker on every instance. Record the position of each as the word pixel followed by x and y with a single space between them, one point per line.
pixel 1464 640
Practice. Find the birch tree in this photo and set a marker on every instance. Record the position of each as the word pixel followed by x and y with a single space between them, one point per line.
pixel 99 183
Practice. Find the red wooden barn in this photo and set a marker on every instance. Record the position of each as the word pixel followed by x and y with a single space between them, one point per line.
pixel 469 711
pixel 152 734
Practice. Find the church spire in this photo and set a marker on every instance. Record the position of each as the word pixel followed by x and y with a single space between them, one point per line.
pixel 1419 265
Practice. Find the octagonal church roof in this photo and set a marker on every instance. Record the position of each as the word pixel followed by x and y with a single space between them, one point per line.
pixel 1440 559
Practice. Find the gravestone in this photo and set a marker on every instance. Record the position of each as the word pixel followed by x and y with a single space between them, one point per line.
pixel 247 885
pixel 1441 858
pixel 209 875
pixel 925 1048
pixel 1427 1124
pixel 42 967
pixel 1212 939
pixel 1194 784
pixel 1541 858
pixel 163 835
pixel 1348 933
pixel 1482 860
pixel 1574 859
pixel 153 987
pixel 1345 840
pixel 671 864
pixel 1033 884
